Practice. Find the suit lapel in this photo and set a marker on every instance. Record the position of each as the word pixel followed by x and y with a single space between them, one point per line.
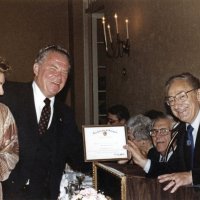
pixel 55 127
pixel 31 109
pixel 197 149
pixel 182 145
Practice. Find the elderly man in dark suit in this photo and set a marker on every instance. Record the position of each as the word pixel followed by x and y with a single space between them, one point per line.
pixel 44 149
pixel 164 156
pixel 183 97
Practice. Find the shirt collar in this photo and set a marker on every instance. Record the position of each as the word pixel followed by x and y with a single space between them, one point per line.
pixel 39 95
pixel 196 122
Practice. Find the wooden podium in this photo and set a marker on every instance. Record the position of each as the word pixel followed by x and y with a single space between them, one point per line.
pixel 128 182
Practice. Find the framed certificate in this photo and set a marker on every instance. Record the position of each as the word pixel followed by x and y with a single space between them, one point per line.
pixel 104 143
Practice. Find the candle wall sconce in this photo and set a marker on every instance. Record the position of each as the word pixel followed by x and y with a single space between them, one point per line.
pixel 116 47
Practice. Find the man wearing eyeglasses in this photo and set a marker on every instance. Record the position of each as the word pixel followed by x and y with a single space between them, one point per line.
pixel 183 98
pixel 165 156
pixel 159 161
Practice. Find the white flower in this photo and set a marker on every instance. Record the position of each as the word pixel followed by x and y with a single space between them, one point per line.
pixel 63 185
pixel 88 194
pixel 101 197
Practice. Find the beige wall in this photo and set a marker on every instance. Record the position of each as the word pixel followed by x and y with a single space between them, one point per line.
pixel 165 40
pixel 26 26
pixel 78 62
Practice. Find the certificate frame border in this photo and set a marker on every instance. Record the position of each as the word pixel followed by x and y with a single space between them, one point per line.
pixel 101 126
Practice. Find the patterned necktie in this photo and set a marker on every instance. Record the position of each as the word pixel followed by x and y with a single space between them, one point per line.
pixel 190 143
pixel 45 116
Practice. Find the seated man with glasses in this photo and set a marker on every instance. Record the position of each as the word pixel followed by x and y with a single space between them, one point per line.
pixel 163 157
pixel 183 98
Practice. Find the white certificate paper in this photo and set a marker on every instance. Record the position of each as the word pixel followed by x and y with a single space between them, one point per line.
pixel 104 142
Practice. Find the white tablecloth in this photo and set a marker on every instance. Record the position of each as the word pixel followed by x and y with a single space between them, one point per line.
pixel 69 177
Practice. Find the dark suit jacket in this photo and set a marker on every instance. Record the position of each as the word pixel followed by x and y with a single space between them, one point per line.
pixel 182 157
pixel 66 144
pixel 174 164
pixel 186 153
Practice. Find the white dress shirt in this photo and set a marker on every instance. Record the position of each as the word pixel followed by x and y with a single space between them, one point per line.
pixel 195 125
pixel 39 102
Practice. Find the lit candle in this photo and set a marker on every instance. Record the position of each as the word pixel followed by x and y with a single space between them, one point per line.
pixel 115 16
pixel 127 34
pixel 104 31
pixel 109 33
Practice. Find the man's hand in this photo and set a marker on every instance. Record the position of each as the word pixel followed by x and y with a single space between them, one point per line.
pixel 175 180
pixel 137 156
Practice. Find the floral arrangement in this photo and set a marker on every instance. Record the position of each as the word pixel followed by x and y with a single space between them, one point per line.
pixel 69 188
pixel 88 194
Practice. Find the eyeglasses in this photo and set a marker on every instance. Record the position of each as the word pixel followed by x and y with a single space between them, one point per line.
pixel 112 121
pixel 181 97
pixel 162 132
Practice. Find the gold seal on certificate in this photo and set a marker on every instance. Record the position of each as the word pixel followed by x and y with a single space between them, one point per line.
pixel 104 142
